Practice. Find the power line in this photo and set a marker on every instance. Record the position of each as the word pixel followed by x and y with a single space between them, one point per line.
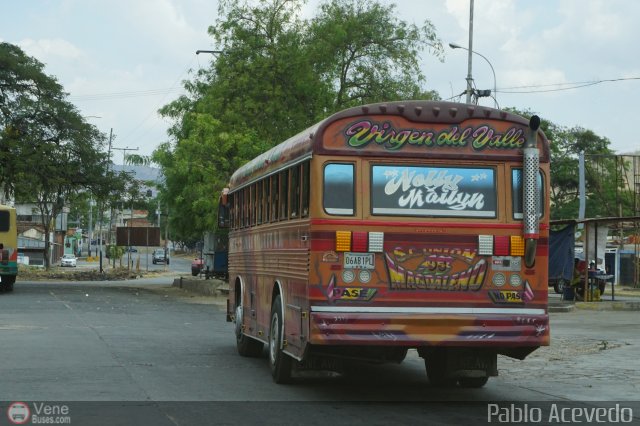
pixel 155 111
pixel 576 85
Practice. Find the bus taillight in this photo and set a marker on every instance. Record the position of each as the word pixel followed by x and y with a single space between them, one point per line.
pixel 489 245
pixel 359 242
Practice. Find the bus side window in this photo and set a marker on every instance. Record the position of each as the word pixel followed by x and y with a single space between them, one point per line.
pixel 274 198
pixel 284 194
pixel 305 188
pixel 254 204
pixel 294 191
pixel 267 199
pixel 339 194
pixel 5 221
pixel 236 211
pixel 245 207
pixel 259 200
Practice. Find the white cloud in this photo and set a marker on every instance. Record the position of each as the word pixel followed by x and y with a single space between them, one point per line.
pixel 51 48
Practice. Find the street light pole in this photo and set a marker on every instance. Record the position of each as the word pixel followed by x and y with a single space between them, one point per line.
pixel 457 46
pixel 213 52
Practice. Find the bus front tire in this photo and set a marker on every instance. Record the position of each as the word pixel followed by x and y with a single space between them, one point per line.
pixel 246 345
pixel 279 362
pixel 7 283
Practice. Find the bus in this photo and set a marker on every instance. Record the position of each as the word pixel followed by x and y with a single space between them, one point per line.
pixel 8 248
pixel 393 226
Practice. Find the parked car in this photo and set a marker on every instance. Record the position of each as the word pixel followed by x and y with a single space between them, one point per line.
pixel 196 266
pixel 159 256
pixel 132 249
pixel 69 260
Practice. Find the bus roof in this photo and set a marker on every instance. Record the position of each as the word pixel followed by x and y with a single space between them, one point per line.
pixel 402 129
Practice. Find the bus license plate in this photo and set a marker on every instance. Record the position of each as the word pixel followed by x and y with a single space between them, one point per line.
pixel 359 260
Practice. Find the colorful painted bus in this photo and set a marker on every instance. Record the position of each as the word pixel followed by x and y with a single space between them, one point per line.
pixel 8 248
pixel 389 227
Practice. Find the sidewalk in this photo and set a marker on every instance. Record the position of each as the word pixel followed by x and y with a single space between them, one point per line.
pixel 623 299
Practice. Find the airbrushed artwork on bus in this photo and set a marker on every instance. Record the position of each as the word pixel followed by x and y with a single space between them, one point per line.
pixel 361 133
pixel 435 269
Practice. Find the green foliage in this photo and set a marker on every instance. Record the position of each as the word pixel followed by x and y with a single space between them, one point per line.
pixel 279 74
pixel 48 153
pixel 365 54
pixel 606 194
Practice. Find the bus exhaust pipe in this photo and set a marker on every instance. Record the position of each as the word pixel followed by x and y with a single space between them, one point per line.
pixel 531 197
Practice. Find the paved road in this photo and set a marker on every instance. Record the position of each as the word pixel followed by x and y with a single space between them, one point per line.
pixel 163 348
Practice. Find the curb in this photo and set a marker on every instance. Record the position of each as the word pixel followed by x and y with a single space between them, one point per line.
pixel 596 306
pixel 609 306
pixel 210 287
pixel 568 307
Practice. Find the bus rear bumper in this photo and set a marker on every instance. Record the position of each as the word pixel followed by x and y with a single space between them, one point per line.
pixel 419 329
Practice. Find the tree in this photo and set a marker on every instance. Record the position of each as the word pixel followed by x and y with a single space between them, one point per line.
pixel 279 74
pixel 48 152
pixel 602 175
pixel 364 53
pixel 195 171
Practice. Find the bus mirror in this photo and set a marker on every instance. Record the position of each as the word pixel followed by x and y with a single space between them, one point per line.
pixel 224 197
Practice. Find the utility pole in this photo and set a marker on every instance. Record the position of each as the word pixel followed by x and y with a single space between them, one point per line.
pixel 470 50
pixel 102 206
pixel 124 153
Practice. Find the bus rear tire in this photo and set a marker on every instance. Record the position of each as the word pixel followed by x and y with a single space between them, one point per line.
pixel 246 345
pixel 279 362
pixel 435 364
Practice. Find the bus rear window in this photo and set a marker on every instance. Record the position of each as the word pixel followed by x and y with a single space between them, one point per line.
pixel 338 191
pixel 516 193
pixel 433 191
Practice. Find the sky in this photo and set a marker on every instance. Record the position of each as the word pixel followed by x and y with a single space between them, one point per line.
pixel 121 60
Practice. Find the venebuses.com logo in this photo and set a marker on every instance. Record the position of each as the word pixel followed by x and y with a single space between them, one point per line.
pixel 18 413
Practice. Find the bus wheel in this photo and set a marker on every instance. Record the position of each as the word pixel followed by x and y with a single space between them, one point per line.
pixel 435 364
pixel 473 382
pixel 246 345
pixel 279 362
pixel 7 283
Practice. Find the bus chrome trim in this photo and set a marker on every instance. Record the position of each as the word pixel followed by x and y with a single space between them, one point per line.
pixel 429 212
pixel 425 310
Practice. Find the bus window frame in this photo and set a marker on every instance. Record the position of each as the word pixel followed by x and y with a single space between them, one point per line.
pixel 294 191
pixel 354 186
pixel 275 197
pixel 283 188
pixel 305 198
